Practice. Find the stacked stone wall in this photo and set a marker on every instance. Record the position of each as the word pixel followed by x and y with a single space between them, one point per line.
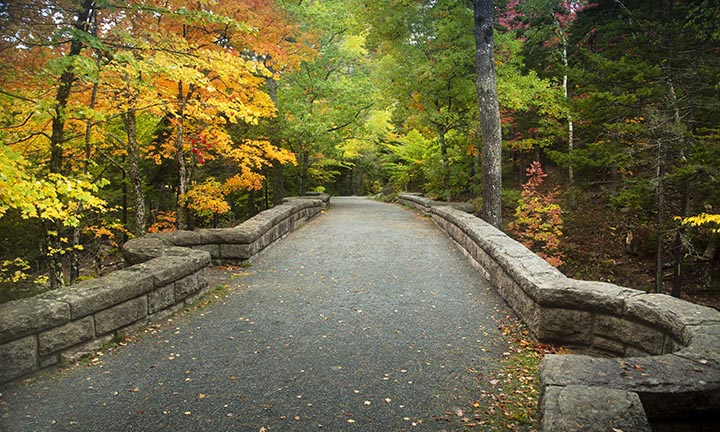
pixel 167 272
pixel 649 361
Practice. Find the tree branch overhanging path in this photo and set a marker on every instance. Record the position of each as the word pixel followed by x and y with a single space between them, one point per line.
pixel 366 316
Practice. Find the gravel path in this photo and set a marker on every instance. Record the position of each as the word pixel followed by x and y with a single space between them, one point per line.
pixel 367 318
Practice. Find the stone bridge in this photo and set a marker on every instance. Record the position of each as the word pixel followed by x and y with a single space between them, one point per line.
pixel 644 361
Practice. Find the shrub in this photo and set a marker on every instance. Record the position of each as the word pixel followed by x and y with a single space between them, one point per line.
pixel 538 217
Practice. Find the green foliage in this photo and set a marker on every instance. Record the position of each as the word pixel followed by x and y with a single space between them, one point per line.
pixel 511 197
pixel 638 196
pixel 405 160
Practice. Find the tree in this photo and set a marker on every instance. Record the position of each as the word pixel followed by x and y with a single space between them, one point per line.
pixel 324 104
pixel 489 113
pixel 538 217
pixel 544 24
pixel 645 127
pixel 83 83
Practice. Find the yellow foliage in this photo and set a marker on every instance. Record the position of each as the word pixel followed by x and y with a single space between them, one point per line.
pixel 13 271
pixel 53 198
pixel 206 198
pixel 702 219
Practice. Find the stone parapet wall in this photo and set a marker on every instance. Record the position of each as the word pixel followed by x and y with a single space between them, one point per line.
pixel 424 204
pixel 651 357
pixel 232 245
pixel 63 325
pixel 168 272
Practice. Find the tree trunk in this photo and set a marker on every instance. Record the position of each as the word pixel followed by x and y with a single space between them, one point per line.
pixel 679 247
pixel 278 185
pixel 138 196
pixel 662 156
pixel 489 113
pixel 303 161
pixel 251 203
pixel 184 169
pixel 57 139
pixel 73 253
pixel 183 177
pixel 571 143
pixel 445 163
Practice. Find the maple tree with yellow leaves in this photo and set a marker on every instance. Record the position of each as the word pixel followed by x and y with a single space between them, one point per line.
pixel 83 83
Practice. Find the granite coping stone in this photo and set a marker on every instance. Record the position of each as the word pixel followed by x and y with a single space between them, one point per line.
pixel 591 409
pixel 27 316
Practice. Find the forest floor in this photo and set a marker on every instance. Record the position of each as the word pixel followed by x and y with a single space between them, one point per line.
pixel 596 248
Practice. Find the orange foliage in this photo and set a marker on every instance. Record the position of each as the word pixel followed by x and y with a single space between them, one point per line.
pixel 538 222
pixel 165 222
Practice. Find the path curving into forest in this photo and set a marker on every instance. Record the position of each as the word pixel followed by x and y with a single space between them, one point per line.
pixel 366 318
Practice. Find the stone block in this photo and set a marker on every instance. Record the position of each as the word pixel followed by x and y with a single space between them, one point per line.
pixel 669 313
pixel 141 249
pixel 22 317
pixel 120 315
pixel 166 313
pixel 634 351
pixel 671 345
pixel 161 298
pixel 18 358
pixel 236 251
pixel 76 353
pixel 524 306
pixel 611 346
pixel 66 336
pixel 585 295
pixel 185 287
pixel 668 385
pixel 236 235
pixel 195 297
pixel 704 345
pixel 167 269
pixel 90 296
pixel 564 325
pixel 632 334
pixel 299 221
pixel 182 238
pixel 212 249
pixel 50 360
pixel 591 409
